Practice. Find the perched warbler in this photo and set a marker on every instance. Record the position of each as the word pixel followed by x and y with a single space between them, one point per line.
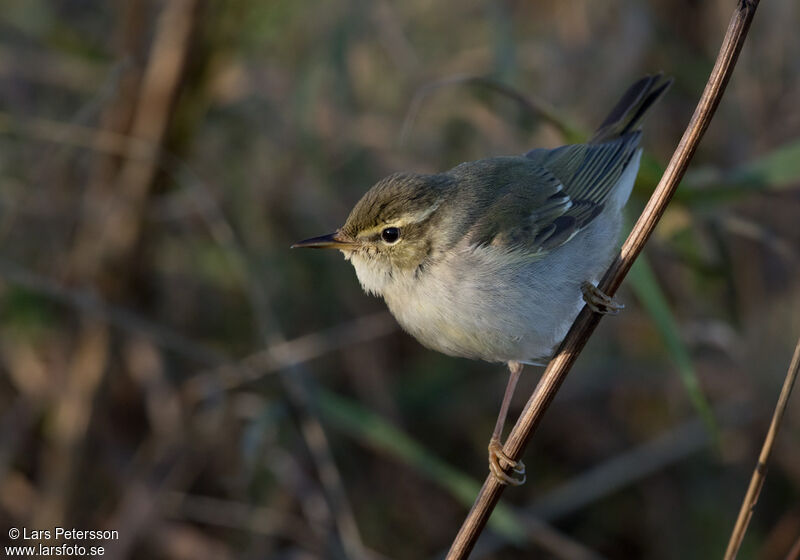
pixel 494 258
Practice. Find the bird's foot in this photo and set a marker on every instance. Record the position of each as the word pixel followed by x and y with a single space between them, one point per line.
pixel 499 462
pixel 598 301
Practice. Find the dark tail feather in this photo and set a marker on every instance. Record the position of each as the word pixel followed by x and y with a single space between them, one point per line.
pixel 628 112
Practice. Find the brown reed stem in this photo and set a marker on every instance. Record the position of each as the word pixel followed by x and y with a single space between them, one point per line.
pixel 585 323
pixel 760 472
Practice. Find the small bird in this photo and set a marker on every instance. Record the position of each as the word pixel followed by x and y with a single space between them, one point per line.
pixel 494 258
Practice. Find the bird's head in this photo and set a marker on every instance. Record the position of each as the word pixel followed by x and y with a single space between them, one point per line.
pixel 393 231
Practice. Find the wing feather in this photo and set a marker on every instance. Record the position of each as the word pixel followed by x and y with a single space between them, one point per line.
pixel 559 193
pixel 540 201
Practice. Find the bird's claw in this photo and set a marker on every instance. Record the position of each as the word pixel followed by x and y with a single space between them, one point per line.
pixel 499 462
pixel 598 301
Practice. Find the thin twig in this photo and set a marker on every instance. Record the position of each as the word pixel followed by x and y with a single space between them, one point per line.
pixel 237 515
pixel 587 321
pixel 760 472
pixel 115 225
pixel 617 473
pixel 224 372
pixel 513 524
pixel 629 467
pixel 79 136
pixel 90 302
pixel 794 552
pixel 286 354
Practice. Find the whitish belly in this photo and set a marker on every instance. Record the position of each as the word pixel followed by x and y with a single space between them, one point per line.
pixel 485 312
pixel 482 305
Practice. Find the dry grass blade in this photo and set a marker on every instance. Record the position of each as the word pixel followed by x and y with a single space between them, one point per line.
pixel 92 304
pixel 286 354
pixel 760 472
pixel 586 322
pixel 97 139
pixel 224 373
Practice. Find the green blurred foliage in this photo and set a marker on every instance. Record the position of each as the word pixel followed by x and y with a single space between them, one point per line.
pixel 286 113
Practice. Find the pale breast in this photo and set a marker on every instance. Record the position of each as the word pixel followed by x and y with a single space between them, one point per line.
pixel 484 303
pixel 476 307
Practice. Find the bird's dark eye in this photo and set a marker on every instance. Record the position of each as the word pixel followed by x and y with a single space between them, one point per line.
pixel 390 235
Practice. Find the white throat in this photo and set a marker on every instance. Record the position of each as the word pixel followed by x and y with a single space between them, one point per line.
pixel 374 274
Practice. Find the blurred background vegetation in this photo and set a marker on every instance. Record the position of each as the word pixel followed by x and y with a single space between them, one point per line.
pixel 171 370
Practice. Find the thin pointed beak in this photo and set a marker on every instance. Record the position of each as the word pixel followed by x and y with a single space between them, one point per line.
pixel 331 241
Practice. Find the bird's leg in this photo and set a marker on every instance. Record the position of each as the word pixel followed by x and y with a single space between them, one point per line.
pixel 598 301
pixel 498 460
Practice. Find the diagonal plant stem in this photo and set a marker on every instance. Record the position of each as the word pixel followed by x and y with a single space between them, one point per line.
pixel 587 321
pixel 644 283
pixel 760 472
